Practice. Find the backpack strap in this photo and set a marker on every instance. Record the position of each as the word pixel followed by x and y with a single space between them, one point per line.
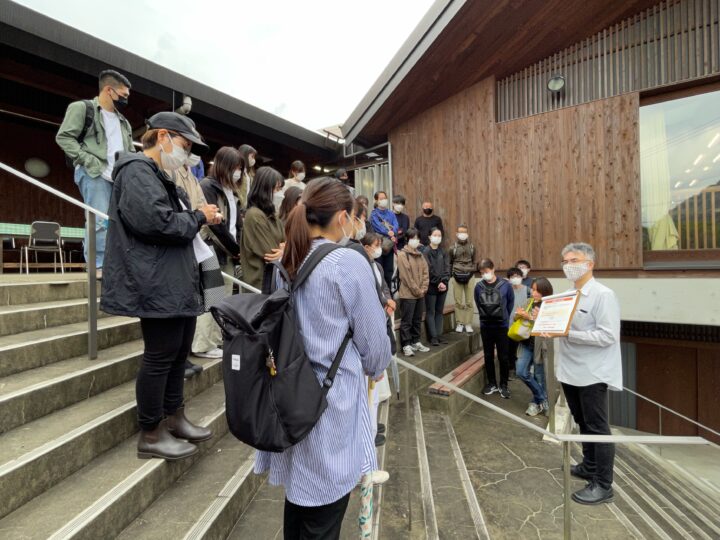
pixel 311 262
pixel 330 377
pixel 89 117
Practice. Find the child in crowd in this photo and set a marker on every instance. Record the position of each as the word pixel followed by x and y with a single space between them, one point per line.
pixel 462 269
pixel 414 283
pixel 535 352
pixel 495 300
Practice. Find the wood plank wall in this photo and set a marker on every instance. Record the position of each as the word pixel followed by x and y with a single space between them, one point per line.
pixel 527 187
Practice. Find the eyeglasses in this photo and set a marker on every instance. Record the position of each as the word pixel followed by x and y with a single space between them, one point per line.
pixel 572 261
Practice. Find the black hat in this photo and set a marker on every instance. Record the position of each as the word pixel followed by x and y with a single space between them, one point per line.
pixel 181 125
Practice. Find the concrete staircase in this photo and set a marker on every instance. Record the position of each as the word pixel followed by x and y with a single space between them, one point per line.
pixel 68 467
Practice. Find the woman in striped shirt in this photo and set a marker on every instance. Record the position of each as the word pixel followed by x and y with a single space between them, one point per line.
pixel 320 472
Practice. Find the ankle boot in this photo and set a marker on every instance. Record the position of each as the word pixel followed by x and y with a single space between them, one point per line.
pixel 161 444
pixel 179 426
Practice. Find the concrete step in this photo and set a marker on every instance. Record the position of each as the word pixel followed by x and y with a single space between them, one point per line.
pixel 693 515
pixel 31 394
pixel 101 499
pixel 41 289
pixel 27 317
pixel 29 350
pixel 206 501
pixel 37 455
pixel 454 404
pixel 456 509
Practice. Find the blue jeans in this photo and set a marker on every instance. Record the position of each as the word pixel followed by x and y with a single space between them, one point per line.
pixel 522 368
pixel 95 192
pixel 539 372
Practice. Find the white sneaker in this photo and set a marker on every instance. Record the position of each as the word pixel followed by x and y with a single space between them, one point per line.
pixel 380 477
pixel 420 347
pixel 468 329
pixel 533 409
pixel 459 328
pixel 212 353
pixel 408 350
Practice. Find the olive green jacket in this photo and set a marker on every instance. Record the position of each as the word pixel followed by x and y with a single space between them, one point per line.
pixel 91 152
pixel 261 234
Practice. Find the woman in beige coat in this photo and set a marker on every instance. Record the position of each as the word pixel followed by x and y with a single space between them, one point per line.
pixel 414 282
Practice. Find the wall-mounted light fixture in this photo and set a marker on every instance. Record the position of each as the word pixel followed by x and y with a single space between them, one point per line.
pixel 556 84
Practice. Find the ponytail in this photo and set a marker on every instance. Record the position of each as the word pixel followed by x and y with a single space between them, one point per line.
pixel 321 200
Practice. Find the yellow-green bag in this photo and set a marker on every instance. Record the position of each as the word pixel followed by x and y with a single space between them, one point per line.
pixel 521 328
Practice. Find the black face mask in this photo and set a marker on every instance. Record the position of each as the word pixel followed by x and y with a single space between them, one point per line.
pixel 120 103
pixel 427 211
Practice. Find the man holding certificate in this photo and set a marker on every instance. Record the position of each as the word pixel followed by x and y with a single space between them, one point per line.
pixel 588 363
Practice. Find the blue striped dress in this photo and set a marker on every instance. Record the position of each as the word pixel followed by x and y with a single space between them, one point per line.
pixel 328 463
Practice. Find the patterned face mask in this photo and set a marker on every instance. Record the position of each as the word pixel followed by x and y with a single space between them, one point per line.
pixel 575 271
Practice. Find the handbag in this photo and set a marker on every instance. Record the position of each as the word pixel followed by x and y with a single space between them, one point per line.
pixel 521 328
pixel 211 282
pixel 462 277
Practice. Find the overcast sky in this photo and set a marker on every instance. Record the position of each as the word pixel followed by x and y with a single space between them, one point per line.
pixel 265 52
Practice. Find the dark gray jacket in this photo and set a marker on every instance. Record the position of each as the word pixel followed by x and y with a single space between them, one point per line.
pixel 150 268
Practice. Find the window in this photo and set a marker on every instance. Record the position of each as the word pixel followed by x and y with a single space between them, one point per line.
pixel 680 173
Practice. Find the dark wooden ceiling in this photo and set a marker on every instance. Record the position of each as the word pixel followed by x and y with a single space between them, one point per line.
pixel 494 37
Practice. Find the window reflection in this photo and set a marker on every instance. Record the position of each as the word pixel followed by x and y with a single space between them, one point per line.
pixel 680 173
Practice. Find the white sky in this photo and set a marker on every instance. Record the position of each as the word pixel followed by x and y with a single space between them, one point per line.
pixel 308 61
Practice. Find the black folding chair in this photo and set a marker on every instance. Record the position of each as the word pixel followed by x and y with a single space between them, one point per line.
pixel 44 236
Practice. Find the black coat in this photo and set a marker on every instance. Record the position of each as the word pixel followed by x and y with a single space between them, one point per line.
pixel 438 266
pixel 221 238
pixel 150 268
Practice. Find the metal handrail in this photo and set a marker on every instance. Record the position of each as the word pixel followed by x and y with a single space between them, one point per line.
pixel 91 214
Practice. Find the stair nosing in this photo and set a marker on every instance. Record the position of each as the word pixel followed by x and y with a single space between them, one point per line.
pixel 14 309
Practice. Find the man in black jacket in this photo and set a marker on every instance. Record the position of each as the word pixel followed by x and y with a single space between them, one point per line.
pixel 427 222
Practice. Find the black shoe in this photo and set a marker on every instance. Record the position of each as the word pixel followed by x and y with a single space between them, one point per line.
pixel 381 428
pixel 197 368
pixel 490 389
pixel 581 472
pixel 593 493
pixel 379 439
pixel 505 392
pixel 435 342
pixel 189 373
pixel 443 341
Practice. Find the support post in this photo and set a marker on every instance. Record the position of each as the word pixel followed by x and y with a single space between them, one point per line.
pixel 567 512
pixel 92 286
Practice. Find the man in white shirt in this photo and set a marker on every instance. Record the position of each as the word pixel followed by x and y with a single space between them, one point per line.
pixel 588 363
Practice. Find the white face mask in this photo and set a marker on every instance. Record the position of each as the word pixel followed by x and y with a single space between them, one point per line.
pixel 300 177
pixel 377 253
pixel 414 243
pixel 435 240
pixel 345 237
pixel 251 161
pixel 175 159
pixel 575 271
pixel 516 280
pixel 361 232
pixel 192 160
pixel 525 272
pixel 383 203
pixel 488 276
pixel 462 236
pixel 237 175
pixel 399 208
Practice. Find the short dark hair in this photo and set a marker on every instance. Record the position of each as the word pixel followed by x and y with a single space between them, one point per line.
pixel 292 195
pixel 112 78
pixel 412 233
pixel 360 209
pixel 514 272
pixel 370 238
pixel 377 194
pixel 524 262
pixel 487 263
pixel 543 286
pixel 399 199
pixel 463 226
pixel 297 166
pixel 262 188
pixel 435 229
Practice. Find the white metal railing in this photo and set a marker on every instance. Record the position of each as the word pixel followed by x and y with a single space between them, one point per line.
pixel 91 214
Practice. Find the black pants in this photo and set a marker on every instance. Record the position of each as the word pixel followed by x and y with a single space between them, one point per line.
pixel 388 265
pixel 434 304
pixel 160 381
pixel 412 312
pixel 314 522
pixel 589 408
pixel 491 338
pixel 512 353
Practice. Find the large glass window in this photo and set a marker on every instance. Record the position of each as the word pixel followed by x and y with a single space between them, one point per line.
pixel 680 173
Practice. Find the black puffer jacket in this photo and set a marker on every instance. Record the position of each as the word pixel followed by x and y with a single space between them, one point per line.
pixel 150 268
pixel 439 267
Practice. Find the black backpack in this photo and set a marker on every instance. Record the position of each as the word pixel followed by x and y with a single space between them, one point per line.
pixel 490 305
pixel 272 396
pixel 89 117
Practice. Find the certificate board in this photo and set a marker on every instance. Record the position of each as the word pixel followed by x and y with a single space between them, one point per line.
pixel 555 315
